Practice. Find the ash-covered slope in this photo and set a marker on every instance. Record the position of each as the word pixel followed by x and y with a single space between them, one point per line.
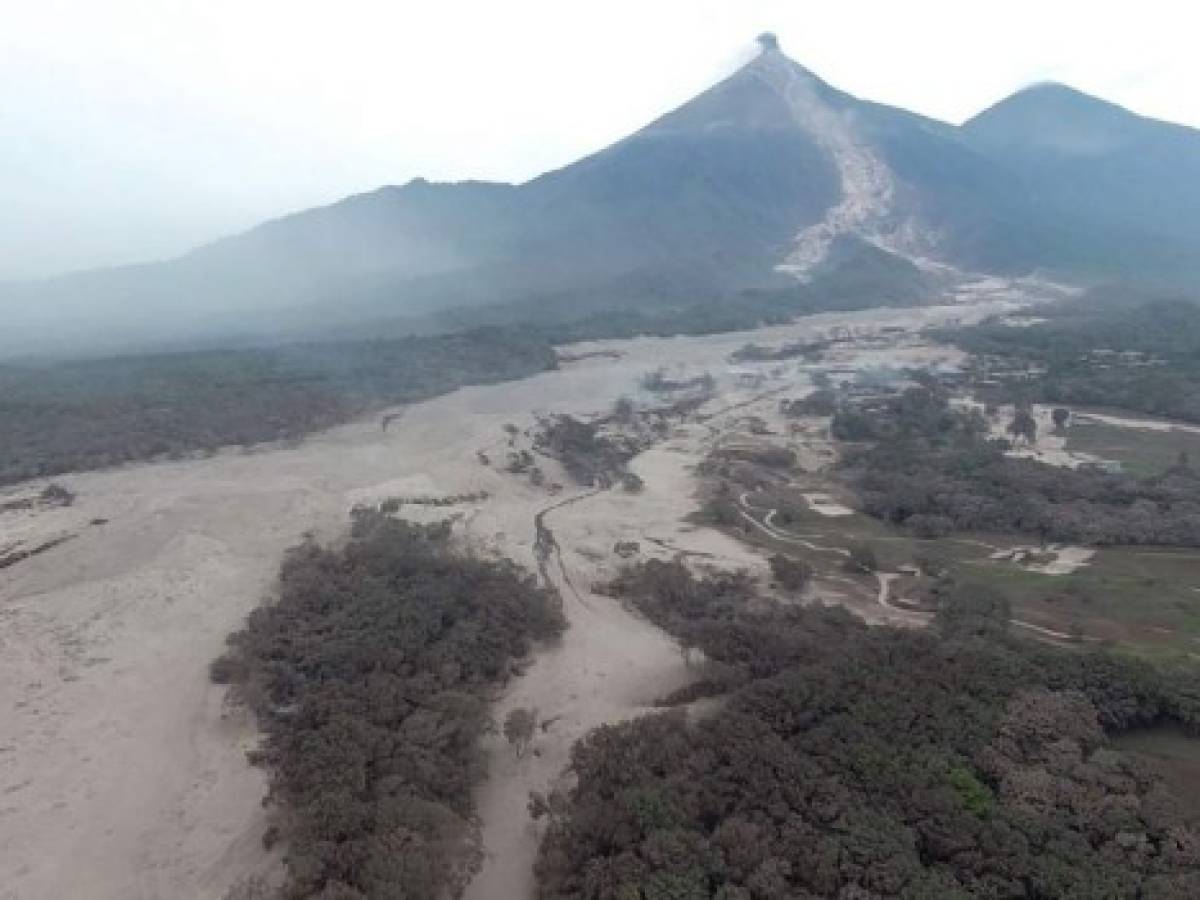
pixel 899 173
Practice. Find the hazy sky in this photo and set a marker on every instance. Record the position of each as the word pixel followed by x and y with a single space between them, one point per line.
pixel 135 129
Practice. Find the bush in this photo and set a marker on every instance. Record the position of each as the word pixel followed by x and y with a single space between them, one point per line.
pixel 970 609
pixel 821 402
pixel 722 512
pixel 57 495
pixel 791 574
pixel 861 559
pixel 632 483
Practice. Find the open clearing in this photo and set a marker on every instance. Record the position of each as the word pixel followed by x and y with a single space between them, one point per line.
pixel 117 755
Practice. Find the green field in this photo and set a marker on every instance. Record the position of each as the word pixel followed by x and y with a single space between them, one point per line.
pixel 1144 600
pixel 1140 451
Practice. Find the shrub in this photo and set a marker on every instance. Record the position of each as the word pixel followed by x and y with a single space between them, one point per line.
pixel 861 559
pixel 792 574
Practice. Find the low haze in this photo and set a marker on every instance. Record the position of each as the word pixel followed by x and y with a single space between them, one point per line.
pixel 134 130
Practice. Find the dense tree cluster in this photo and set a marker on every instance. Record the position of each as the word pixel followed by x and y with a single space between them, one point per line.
pixel 50 496
pixel 810 351
pixel 765 456
pixel 1105 349
pixel 370 677
pixel 670 596
pixel 932 467
pixel 660 382
pixel 821 402
pixel 86 415
pixel 589 457
pixel 859 762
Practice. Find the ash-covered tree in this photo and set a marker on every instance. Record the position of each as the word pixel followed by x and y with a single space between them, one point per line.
pixel 519 727
pixel 623 409
pixel 1024 425
pixel 791 574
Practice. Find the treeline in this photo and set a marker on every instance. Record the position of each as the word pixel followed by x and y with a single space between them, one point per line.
pixel 932 468
pixel 1103 349
pixel 90 414
pixel 371 677
pixel 861 762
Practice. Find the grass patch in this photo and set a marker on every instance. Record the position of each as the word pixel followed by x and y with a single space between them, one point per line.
pixel 1174 753
pixel 1140 451
pixel 1142 598
pixel 893 546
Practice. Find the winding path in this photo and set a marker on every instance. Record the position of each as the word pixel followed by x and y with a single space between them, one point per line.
pixel 545 545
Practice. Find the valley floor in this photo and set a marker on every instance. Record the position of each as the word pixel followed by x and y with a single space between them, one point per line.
pixel 123 770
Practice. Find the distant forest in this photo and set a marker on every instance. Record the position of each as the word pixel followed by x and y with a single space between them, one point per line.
pixel 865 762
pixel 96 413
pixel 76 416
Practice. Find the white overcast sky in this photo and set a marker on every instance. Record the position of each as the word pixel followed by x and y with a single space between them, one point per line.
pixel 135 129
